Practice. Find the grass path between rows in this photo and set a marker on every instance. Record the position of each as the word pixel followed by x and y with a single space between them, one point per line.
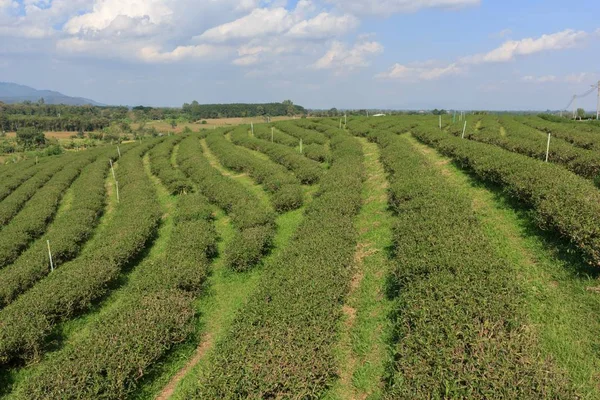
pixel 561 299
pixel 363 350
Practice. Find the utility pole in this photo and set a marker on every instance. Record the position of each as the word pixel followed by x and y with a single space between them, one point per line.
pixel 598 104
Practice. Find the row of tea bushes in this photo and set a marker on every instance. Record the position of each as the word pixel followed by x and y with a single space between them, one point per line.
pixel 160 164
pixel 460 330
pixel 307 171
pixel 156 313
pixel 286 192
pixel 72 289
pixel 254 222
pixel 282 343
pixel 67 233
pixel 561 200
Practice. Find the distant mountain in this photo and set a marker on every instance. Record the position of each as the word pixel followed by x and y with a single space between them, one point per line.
pixel 11 93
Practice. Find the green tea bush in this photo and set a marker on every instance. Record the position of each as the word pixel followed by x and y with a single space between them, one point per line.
pixel 160 165
pixel 75 286
pixel 307 171
pixel 273 177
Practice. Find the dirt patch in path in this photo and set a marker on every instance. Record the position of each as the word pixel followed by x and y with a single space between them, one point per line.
pixel 206 344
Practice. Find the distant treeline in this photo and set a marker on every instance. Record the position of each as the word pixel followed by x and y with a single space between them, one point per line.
pixel 93 118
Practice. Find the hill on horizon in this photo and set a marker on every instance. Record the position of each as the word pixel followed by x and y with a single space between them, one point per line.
pixel 11 93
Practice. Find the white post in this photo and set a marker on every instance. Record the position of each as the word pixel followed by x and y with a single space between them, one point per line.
pixel 117 185
pixel 272 134
pixel 548 148
pixel 50 256
pixel 464 130
pixel 301 149
pixel 252 127
pixel 345 120
pixel 598 105
pixel 367 113
pixel 112 169
pixel 340 123
pixel 119 150
pixel 440 121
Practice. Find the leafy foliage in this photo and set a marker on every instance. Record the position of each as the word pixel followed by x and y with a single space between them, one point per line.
pixel 161 166
pixel 254 222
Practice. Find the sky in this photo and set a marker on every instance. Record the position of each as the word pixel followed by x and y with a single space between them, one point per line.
pixel 397 54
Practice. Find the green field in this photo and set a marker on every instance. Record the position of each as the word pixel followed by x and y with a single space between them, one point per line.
pixel 390 258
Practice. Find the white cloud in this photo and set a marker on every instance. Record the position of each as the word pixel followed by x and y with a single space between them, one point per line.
pixel 323 25
pixel 419 73
pixel 513 48
pixel 508 51
pixel 203 51
pixel 387 7
pixel 502 34
pixel 575 78
pixel 343 59
pixel 540 79
pixel 260 22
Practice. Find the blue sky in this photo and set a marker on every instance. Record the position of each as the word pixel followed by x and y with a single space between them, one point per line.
pixel 454 54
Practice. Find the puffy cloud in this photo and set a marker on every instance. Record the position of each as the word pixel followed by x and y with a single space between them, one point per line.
pixel 260 22
pixel 539 79
pixel 342 58
pixel 419 73
pixel 387 7
pixel 576 78
pixel 203 51
pixel 323 25
pixel 508 51
pixel 513 48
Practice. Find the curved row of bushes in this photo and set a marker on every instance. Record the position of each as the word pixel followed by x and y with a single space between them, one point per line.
pixel 17 174
pixel 308 136
pixel 525 140
pixel 254 222
pixel 75 286
pixel 156 313
pixel 161 166
pixel 33 219
pixel 313 151
pixel 460 330
pixel 307 171
pixel 561 200
pixel 67 233
pixel 285 189
pixel 568 131
pixel 282 343
pixel 15 201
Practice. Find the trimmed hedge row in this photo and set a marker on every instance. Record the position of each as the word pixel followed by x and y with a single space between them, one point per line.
pixel 307 171
pixel 262 131
pixel 33 219
pixel 157 313
pixel 72 289
pixel 571 133
pixel 562 201
pixel 285 189
pixel 460 330
pixel 255 223
pixel 525 140
pixel 13 203
pixel 161 166
pixel 19 173
pixel 282 343
pixel 308 136
pixel 67 233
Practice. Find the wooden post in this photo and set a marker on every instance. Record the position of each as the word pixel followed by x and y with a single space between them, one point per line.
pixel 272 134
pixel 440 121
pixel 119 149
pixel 112 169
pixel 117 185
pixel 50 256
pixel 464 130
pixel 252 127
pixel 548 148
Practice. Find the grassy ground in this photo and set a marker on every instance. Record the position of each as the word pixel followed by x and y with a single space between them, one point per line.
pixel 561 302
pixel 365 332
